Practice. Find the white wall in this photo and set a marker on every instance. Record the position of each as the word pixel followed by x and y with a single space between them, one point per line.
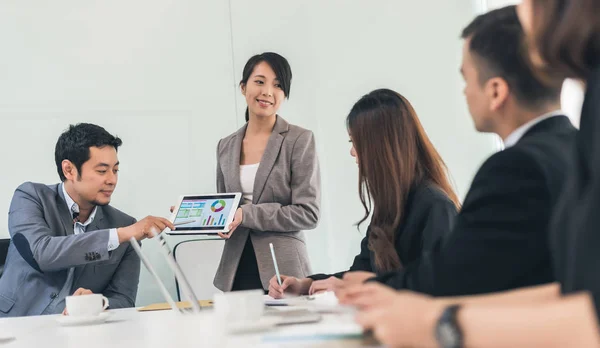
pixel 163 76
pixel 158 74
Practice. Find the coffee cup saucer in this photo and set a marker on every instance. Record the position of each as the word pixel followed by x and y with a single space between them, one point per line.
pixel 80 320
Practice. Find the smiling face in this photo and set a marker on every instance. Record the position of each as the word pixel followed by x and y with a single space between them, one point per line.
pixel 263 91
pixel 95 184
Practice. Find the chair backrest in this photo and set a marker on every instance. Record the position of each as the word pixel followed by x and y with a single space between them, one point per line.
pixel 199 259
pixel 4 244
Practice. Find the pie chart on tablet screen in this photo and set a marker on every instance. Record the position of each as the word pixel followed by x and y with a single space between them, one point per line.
pixel 217 206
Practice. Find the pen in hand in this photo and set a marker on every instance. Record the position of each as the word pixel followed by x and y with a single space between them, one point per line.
pixel 275 264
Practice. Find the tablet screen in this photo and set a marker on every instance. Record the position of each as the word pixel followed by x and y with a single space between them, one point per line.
pixel 200 213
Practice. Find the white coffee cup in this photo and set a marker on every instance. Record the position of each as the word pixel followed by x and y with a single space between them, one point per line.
pixel 86 305
pixel 239 306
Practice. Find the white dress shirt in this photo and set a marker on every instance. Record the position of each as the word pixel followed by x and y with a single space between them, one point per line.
pixel 57 305
pixel 78 227
pixel 518 133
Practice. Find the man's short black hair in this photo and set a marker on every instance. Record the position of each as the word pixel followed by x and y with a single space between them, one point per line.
pixel 498 45
pixel 74 145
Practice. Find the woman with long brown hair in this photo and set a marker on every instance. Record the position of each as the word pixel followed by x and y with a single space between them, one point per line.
pixel 565 43
pixel 403 185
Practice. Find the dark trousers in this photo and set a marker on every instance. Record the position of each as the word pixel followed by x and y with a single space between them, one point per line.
pixel 247 276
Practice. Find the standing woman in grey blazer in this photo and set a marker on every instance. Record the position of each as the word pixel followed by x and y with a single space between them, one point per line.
pixel 274 164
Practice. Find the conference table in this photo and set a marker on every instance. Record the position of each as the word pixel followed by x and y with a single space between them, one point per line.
pixel 128 328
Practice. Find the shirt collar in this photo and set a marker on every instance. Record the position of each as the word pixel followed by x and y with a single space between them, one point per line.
pixel 74 207
pixel 518 133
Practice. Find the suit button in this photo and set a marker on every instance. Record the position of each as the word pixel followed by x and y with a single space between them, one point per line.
pixel 53 295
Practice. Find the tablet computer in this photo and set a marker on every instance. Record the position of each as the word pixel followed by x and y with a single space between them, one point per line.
pixel 204 213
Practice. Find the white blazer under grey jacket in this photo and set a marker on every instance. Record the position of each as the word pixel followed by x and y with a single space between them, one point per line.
pixel 286 200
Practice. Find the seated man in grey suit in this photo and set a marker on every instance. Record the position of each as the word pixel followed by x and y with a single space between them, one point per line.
pixel 66 238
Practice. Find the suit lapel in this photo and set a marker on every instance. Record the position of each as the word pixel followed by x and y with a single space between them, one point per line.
pixel 95 225
pixel 65 214
pixel 269 158
pixel 233 172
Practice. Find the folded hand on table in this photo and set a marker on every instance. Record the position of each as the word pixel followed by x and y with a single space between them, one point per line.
pixel 403 319
pixel 334 283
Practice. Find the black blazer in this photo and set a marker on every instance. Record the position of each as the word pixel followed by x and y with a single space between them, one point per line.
pixel 500 240
pixel 575 236
pixel 429 214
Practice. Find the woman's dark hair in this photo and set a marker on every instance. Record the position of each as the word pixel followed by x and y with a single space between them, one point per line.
pixel 280 66
pixel 567 35
pixel 394 156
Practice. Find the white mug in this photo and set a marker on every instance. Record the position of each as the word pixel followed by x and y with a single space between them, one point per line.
pixel 239 306
pixel 86 305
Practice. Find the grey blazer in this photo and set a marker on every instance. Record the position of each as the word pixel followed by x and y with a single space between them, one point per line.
pixel 43 247
pixel 286 200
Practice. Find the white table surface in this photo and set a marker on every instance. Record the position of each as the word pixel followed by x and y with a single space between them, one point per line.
pixel 129 328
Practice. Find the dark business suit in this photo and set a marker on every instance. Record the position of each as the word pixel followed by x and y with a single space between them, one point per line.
pixel 429 215
pixel 500 240
pixel 575 234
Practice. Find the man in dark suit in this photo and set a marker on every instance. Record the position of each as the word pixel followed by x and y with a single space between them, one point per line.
pixel 66 238
pixel 500 238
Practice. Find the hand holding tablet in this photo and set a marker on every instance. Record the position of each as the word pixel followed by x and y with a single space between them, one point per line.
pixel 237 220
pixel 204 213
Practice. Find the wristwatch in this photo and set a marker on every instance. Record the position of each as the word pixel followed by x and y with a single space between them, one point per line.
pixel 447 330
